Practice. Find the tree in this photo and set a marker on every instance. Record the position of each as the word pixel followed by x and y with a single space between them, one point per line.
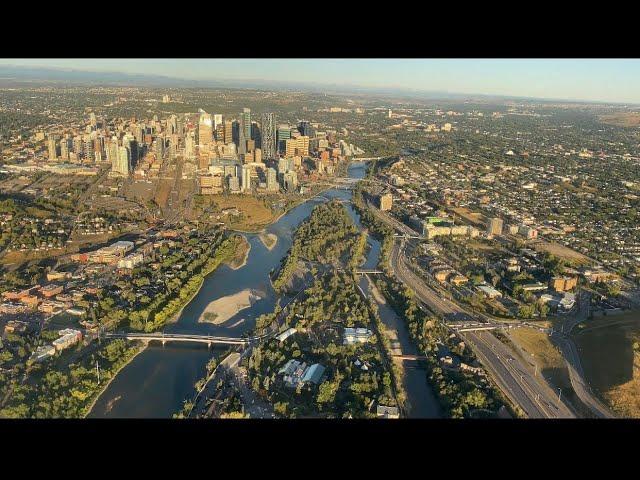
pixel 327 391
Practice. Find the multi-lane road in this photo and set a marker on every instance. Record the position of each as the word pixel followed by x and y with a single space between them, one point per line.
pixel 572 358
pixel 515 378
pixel 522 385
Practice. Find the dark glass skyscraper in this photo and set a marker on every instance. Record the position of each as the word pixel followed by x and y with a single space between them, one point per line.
pixel 245 122
pixel 306 129
pixel 268 134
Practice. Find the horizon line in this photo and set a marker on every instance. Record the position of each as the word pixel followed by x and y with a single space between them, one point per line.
pixel 310 84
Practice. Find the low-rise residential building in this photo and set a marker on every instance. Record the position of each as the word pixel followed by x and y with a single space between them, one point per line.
pixel 356 335
pixel 489 291
pixel 296 373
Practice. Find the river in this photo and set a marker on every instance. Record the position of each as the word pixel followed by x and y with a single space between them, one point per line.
pixel 158 380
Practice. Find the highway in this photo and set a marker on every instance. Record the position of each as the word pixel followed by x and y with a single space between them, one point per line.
pixel 514 377
pixel 572 359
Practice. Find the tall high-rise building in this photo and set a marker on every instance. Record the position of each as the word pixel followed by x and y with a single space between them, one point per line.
pixel 242 142
pixel 283 134
pixel 219 133
pixel 246 178
pixel 122 163
pixel 190 145
pixel 217 120
pixel 228 131
pixel 285 165
pixel 245 122
pixel 172 125
pixel 53 154
pixel 112 152
pixel 78 147
pixel 290 180
pixel 89 152
pixel 306 129
pixel 130 143
pixel 272 180
pixel 268 136
pixel 159 147
pixel 205 129
pixel 64 149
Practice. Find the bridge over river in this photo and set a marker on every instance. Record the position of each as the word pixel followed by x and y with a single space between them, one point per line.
pixel 193 338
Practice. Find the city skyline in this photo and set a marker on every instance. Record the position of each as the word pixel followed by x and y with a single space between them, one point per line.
pixel 592 80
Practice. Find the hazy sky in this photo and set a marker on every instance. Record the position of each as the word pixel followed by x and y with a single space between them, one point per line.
pixel 615 80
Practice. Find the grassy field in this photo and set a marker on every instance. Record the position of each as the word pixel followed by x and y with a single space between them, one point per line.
pixel 254 214
pixel 470 216
pixel 622 119
pixel 546 355
pixel 610 352
pixel 571 256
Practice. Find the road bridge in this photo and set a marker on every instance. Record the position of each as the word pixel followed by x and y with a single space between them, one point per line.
pixel 178 337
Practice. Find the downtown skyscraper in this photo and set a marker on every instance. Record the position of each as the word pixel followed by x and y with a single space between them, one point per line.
pixel 245 122
pixel 268 133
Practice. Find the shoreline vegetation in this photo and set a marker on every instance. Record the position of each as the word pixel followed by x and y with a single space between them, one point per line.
pixel 323 237
pixel 174 308
pixel 328 238
pixel 241 254
pixel 140 347
pixel 72 391
pixel 458 394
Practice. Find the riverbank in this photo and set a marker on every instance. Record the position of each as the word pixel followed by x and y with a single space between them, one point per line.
pixel 223 259
pixel 169 374
pixel 262 228
pixel 140 349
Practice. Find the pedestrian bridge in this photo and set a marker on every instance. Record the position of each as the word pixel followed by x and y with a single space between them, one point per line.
pixel 178 337
pixel 409 357
pixel 368 272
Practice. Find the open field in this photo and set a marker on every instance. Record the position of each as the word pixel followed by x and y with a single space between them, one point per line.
pixel 16 258
pixel 162 192
pixel 622 119
pixel 472 217
pixel 546 355
pixel 560 251
pixel 254 214
pixel 611 359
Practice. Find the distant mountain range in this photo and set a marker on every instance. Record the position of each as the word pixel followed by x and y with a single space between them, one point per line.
pixel 46 75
